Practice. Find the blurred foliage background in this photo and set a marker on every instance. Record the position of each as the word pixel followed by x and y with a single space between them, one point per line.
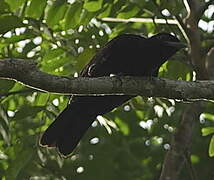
pixel 128 143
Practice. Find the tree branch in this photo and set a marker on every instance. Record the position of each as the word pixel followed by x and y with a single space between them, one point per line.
pixel 141 20
pixel 27 73
pixel 181 142
pixel 182 139
pixel 193 35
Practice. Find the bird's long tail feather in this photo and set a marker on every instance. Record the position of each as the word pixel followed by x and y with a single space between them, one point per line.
pixel 67 130
pixel 70 126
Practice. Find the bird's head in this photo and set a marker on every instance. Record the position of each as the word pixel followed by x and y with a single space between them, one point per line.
pixel 167 44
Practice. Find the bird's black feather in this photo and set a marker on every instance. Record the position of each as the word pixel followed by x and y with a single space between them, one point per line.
pixel 126 54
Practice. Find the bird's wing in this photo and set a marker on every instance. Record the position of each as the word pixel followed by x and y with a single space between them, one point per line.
pixel 105 61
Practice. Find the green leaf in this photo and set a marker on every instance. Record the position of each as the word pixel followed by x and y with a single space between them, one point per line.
pixel 72 16
pixel 17 87
pixel 24 157
pixel 208 130
pixel 28 34
pixel 4 134
pixel 4 7
pixel 93 5
pixel 84 58
pixel 52 54
pixel 9 22
pixel 106 12
pixel 56 12
pixel 54 64
pixel 6 85
pixel 168 70
pixel 211 147
pixel 27 111
pixel 41 99
pixel 55 59
pixel 14 5
pixel 86 16
pixel 123 126
pixel 38 11
pixel 28 47
pixel 195 159
pixel 209 116
pixel 128 12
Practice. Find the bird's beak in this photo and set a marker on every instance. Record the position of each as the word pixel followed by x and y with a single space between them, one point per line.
pixel 177 45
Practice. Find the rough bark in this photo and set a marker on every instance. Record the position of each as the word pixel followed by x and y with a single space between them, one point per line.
pixel 181 140
pixel 180 144
pixel 27 73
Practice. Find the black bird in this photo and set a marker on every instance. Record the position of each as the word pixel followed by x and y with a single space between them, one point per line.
pixel 127 54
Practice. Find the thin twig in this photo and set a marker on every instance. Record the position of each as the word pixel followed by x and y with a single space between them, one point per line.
pixel 141 20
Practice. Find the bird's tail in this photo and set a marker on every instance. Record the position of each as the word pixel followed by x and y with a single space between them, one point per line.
pixel 69 127
pixel 67 130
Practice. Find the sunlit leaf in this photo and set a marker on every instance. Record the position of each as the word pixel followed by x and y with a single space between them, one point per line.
pixel 54 59
pixel 17 87
pixel 52 54
pixel 14 5
pixel 86 16
pixel 211 147
pixel 124 128
pixel 93 5
pixel 106 12
pixel 128 12
pixel 168 70
pixel 56 12
pixel 72 16
pixel 209 116
pixel 208 130
pixel 195 159
pixel 36 8
pixel 41 99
